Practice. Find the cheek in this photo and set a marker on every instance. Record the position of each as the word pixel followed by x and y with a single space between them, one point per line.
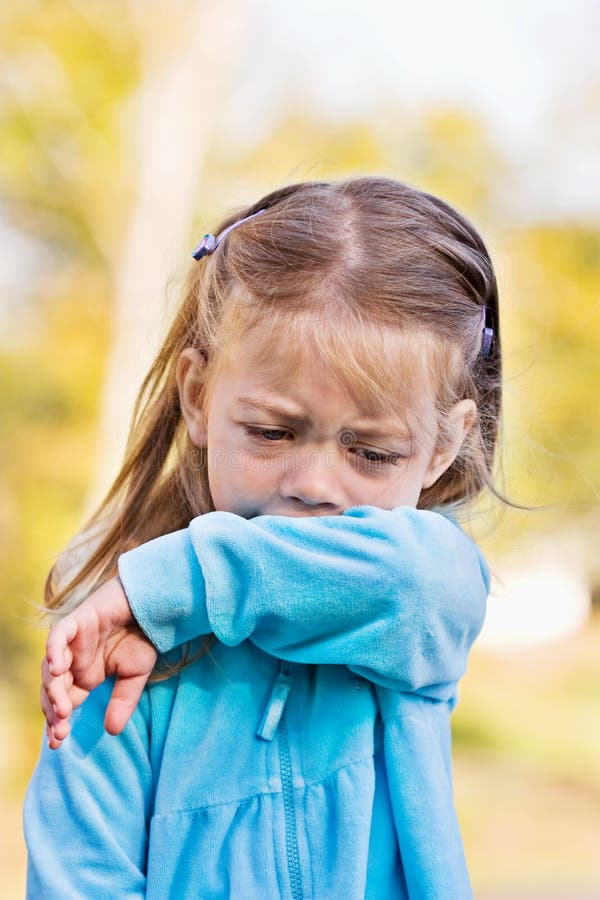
pixel 236 475
pixel 402 488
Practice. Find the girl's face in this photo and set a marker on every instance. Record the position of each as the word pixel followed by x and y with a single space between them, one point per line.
pixel 296 444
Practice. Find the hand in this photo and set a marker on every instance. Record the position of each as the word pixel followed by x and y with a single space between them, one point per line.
pixel 100 638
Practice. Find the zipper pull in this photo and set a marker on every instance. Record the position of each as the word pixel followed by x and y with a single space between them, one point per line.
pixel 275 705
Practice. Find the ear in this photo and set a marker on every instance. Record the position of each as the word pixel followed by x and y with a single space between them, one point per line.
pixel 190 373
pixel 458 423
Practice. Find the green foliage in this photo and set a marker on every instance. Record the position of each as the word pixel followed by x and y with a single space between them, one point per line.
pixel 443 151
pixel 67 69
pixel 552 335
pixel 48 403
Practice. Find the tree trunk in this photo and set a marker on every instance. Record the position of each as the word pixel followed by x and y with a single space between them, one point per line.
pixel 185 49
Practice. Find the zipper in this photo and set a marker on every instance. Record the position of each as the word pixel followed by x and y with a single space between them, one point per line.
pixel 274 721
pixel 287 790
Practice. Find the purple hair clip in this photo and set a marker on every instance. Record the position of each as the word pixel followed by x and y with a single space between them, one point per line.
pixel 487 334
pixel 209 242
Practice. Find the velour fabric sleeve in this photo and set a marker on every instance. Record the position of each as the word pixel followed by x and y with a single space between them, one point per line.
pixel 396 595
pixel 417 750
pixel 87 809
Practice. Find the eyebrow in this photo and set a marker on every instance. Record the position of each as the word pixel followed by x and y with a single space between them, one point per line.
pixel 295 413
pixel 362 429
pixel 387 433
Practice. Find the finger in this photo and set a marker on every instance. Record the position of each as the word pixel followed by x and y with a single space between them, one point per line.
pixel 87 666
pixel 57 690
pixel 61 726
pixel 60 730
pixel 54 742
pixel 61 633
pixel 124 699
pixel 57 728
pixel 77 695
pixel 47 708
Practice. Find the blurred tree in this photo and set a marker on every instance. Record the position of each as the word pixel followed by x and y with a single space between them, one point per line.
pixel 67 69
pixel 552 337
pixel 445 151
pixel 183 77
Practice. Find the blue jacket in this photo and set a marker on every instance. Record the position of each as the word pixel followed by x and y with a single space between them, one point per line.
pixel 308 754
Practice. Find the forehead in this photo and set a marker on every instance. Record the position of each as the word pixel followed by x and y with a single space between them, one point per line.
pixel 380 373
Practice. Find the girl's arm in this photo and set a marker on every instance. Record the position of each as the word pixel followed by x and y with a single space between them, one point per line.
pixel 417 751
pixel 87 810
pixel 396 595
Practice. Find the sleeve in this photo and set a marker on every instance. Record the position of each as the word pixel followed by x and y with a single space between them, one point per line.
pixel 396 595
pixel 417 751
pixel 87 809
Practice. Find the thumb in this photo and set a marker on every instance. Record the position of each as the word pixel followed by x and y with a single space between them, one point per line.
pixel 123 701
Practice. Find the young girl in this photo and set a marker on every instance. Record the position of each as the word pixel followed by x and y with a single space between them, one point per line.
pixel 328 395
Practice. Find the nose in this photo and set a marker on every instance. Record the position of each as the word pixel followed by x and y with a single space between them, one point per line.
pixel 311 478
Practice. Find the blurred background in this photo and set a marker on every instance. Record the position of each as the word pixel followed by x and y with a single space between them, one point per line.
pixel 126 130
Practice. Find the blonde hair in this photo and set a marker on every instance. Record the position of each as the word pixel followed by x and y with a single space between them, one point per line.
pixel 382 276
